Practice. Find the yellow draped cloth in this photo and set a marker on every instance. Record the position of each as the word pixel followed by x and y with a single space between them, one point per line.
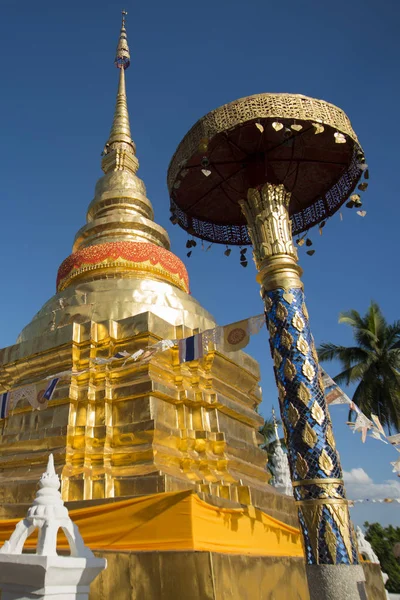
pixel 176 521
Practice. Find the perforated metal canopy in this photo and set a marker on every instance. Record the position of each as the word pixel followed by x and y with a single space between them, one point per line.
pixel 306 144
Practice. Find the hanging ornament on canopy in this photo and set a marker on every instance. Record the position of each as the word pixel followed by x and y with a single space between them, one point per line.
pixel 339 138
pixel 277 126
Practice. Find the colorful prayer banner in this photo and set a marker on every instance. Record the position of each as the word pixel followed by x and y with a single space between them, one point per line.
pixel 4 404
pixel 394 439
pixel 333 393
pixel 236 336
pixel 191 348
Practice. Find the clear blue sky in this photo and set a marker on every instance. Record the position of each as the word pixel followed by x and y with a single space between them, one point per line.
pixel 58 88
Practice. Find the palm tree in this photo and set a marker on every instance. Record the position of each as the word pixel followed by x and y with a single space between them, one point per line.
pixel 373 363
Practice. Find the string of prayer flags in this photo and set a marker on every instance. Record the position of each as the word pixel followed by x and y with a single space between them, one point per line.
pixel 143 353
pixel 376 500
pixel 231 338
pixel 368 427
pixel 335 395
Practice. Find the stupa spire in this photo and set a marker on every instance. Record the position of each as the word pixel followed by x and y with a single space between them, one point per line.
pixel 120 238
pixel 119 151
pixel 277 438
pixel 120 130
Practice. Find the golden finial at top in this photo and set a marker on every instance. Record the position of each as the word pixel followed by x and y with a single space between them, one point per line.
pixel 122 56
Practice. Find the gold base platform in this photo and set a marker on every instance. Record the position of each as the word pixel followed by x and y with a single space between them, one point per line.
pixel 210 576
pixel 199 576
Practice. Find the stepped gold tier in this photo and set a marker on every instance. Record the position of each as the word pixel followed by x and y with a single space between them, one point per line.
pixel 144 427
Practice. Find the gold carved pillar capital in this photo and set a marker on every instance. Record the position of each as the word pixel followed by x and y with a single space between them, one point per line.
pixel 266 210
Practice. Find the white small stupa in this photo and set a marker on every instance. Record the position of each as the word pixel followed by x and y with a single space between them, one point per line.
pixel 45 575
pixel 367 552
pixel 365 548
pixel 282 479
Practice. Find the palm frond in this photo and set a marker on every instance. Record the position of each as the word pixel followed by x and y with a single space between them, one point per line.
pixel 347 355
pixel 373 363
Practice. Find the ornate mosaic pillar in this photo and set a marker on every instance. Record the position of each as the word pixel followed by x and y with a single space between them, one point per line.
pixel 314 461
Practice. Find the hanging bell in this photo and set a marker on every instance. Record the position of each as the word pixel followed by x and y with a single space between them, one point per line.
pixel 363 186
pixel 310 252
pixel 227 251
pixel 189 254
pixel 350 204
pixel 243 251
pixel 308 242
pixel 244 263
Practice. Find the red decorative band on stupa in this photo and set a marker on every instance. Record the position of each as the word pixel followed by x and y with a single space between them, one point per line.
pixel 124 258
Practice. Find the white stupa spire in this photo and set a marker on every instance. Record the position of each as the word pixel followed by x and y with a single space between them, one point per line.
pixel 282 479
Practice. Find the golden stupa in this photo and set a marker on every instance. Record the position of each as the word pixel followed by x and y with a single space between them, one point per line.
pixel 150 426
pixel 184 437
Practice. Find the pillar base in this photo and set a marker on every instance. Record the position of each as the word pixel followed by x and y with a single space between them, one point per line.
pixel 336 582
pixel 33 577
